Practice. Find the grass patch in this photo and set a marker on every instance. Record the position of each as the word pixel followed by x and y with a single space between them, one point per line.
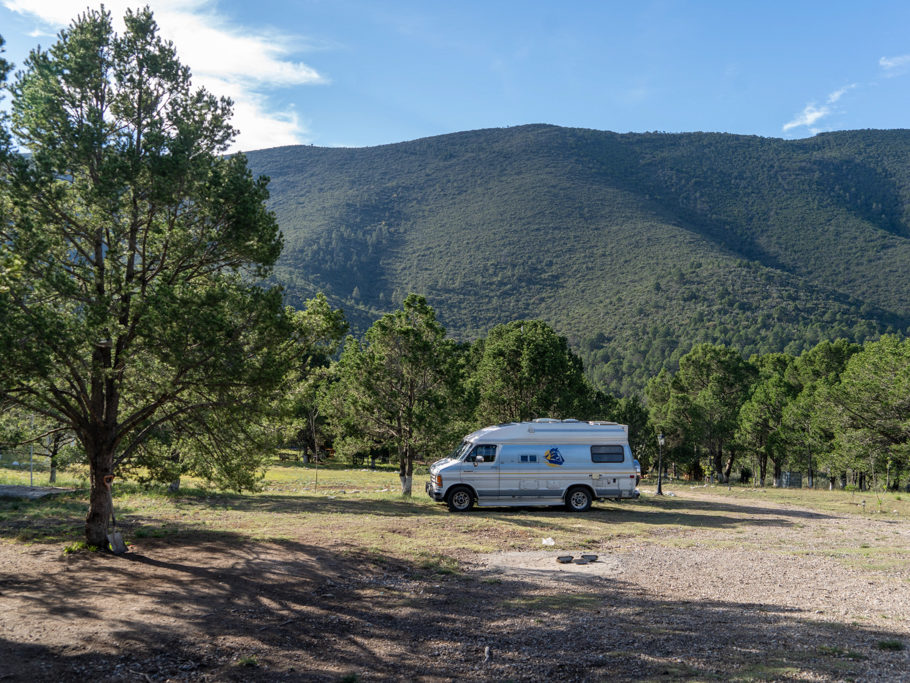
pixel 840 653
pixel 878 503
pixel 891 645
pixel 439 564
pixel 767 672
pixel 80 547
pixel 74 476
pixel 882 558
pixel 58 519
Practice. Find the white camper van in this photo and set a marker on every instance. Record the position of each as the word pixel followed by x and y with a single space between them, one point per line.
pixel 544 462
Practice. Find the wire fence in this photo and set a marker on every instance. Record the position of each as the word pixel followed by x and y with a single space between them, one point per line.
pixel 25 465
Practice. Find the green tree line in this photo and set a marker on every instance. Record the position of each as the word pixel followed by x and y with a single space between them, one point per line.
pixel 838 410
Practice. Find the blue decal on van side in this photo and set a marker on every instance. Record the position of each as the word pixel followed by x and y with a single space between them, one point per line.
pixel 554 457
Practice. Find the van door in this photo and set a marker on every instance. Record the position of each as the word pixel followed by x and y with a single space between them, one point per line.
pixel 611 471
pixel 519 471
pixel 480 469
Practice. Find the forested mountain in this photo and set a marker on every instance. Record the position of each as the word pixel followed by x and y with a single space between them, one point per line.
pixel 634 246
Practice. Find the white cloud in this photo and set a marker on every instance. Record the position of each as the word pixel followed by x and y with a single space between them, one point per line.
pixel 837 94
pixel 226 59
pixel 894 66
pixel 807 117
pixel 812 113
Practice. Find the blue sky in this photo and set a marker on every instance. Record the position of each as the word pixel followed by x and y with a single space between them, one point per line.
pixel 359 72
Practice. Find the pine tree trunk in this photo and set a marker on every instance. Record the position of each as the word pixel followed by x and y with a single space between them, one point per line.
pixel 174 486
pixel 406 468
pixel 718 465
pixel 728 471
pixel 403 471
pixel 99 506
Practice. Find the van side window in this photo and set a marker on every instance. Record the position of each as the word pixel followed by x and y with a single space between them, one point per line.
pixel 529 458
pixel 488 451
pixel 607 454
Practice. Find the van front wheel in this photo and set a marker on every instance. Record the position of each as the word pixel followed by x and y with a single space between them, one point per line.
pixel 578 499
pixel 460 499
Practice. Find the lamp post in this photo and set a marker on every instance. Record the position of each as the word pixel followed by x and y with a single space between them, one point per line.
pixel 660 456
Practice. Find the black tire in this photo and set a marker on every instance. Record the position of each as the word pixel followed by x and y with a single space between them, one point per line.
pixel 460 499
pixel 578 499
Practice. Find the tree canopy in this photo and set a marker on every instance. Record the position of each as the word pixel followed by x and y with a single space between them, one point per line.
pixel 525 371
pixel 870 407
pixel 131 247
pixel 396 386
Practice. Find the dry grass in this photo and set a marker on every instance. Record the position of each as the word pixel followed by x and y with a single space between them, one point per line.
pixel 363 510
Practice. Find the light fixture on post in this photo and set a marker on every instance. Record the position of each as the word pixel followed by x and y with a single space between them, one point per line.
pixel 660 471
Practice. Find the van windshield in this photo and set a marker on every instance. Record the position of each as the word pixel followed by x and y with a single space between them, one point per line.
pixel 461 450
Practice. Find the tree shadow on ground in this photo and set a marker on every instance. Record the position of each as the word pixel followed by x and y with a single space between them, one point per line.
pixel 232 609
pixel 665 512
pixel 706 512
pixel 309 503
pixel 51 520
pixel 59 519
pixel 674 503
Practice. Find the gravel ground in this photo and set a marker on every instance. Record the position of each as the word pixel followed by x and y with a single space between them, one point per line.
pixel 757 595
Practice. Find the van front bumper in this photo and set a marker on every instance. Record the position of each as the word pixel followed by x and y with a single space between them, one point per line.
pixel 433 492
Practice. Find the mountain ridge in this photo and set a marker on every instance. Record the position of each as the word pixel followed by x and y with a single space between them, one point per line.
pixel 635 245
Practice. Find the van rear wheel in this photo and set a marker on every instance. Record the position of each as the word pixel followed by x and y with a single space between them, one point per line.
pixel 578 499
pixel 460 499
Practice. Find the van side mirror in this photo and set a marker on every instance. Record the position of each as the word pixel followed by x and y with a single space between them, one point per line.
pixel 477 459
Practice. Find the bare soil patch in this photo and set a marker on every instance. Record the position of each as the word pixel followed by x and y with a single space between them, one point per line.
pixel 545 565
pixel 752 591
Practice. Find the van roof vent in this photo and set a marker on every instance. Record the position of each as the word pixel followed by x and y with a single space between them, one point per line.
pixel 547 420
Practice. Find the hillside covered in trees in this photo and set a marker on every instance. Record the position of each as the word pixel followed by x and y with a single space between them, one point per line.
pixel 635 247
